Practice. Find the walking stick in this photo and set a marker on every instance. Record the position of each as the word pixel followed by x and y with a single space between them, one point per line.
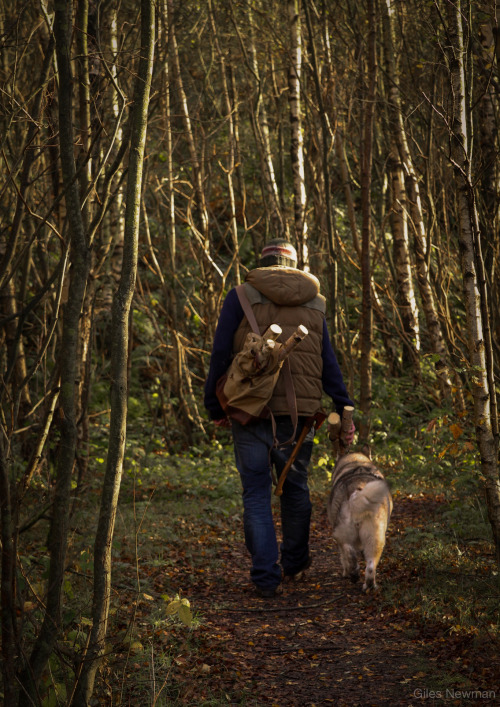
pixel 314 421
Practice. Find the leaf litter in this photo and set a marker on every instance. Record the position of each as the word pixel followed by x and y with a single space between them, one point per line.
pixel 323 641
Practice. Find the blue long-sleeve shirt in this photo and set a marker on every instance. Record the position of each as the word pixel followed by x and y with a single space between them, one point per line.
pixel 222 354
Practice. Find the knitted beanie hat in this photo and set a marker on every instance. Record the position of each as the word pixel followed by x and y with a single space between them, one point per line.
pixel 278 252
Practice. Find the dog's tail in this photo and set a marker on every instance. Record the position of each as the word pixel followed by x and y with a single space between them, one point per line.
pixel 369 497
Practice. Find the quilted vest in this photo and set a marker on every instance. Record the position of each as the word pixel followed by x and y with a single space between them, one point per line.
pixel 289 297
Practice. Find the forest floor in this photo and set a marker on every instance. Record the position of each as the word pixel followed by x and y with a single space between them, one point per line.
pixel 323 641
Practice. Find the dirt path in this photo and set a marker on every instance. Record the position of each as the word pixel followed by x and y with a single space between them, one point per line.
pixel 325 642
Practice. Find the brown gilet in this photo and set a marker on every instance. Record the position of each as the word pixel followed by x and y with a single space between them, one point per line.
pixel 289 297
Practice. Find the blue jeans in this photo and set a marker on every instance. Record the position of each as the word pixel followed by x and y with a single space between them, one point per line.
pixel 254 457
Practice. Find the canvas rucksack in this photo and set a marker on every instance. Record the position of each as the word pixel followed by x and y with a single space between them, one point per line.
pixel 245 390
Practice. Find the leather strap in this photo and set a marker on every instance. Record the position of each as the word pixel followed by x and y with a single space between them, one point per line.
pixel 247 308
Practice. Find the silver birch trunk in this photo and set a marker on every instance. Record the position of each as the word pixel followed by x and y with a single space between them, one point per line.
pixel 475 294
pixel 346 186
pixel 296 137
pixel 405 294
pixel 413 205
pixel 200 226
pixel 195 162
pixel 119 365
pixel 326 145
pixel 230 169
pixel 114 218
pixel 167 126
pixel 276 220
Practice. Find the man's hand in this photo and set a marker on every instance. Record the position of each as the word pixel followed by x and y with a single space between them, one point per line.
pixel 223 422
pixel 349 436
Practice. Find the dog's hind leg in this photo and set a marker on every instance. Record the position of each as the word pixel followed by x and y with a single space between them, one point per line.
pixel 370 575
pixel 349 560
pixel 373 541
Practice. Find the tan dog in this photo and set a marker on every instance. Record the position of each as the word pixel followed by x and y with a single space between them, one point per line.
pixel 359 509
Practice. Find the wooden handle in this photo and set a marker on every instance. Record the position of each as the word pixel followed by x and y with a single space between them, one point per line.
pixel 272 332
pixel 279 487
pixel 333 426
pixel 315 421
pixel 345 428
pixel 300 333
pixel 346 420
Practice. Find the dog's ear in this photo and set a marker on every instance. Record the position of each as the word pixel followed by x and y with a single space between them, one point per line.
pixel 367 451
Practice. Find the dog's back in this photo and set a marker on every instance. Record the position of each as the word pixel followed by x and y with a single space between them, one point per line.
pixel 359 509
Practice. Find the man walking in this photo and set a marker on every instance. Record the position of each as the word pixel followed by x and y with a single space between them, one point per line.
pixel 280 294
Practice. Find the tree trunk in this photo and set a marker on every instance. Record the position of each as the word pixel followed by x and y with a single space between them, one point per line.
pixel 16 358
pixel 326 142
pixel 8 615
pixel 475 293
pixel 296 138
pixel 489 193
pixel 365 397
pixel 233 226
pixel 346 186
pixel 436 339
pixel 405 295
pixel 69 362
pixel 277 224
pixel 85 179
pixel 119 367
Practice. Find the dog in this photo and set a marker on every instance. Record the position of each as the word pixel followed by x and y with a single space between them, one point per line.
pixel 359 509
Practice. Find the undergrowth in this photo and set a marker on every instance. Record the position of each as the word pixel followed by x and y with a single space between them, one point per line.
pixel 195 511
pixel 180 513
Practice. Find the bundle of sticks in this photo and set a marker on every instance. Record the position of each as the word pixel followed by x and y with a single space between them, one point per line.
pixel 263 346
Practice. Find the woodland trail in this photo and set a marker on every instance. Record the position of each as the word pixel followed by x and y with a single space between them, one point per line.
pixel 325 642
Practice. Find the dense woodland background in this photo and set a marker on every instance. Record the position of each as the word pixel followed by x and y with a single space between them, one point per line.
pixel 366 133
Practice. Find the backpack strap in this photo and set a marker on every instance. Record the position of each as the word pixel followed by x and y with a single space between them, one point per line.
pixel 287 373
pixel 247 308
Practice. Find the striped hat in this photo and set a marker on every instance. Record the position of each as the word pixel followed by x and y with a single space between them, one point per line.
pixel 278 252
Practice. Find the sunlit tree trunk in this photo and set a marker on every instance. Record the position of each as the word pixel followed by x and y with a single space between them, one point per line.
pixel 297 139
pixel 326 145
pixel 189 134
pixel 163 32
pixel 489 169
pixel 199 225
pixel 414 206
pixel 405 295
pixel 230 168
pixel 346 187
pixel 113 224
pixel 475 293
pixel 240 176
pixel 277 223
pixel 119 364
